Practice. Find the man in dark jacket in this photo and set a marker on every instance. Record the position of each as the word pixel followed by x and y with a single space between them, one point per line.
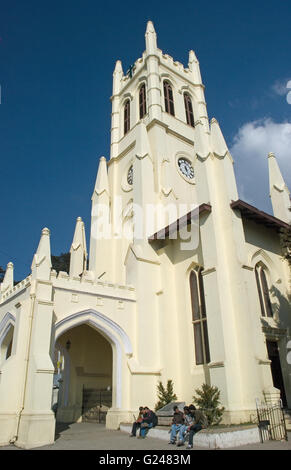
pixel 177 422
pixel 137 423
pixel 199 422
pixel 147 421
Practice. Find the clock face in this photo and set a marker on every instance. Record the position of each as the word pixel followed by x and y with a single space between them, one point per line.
pixel 186 168
pixel 130 175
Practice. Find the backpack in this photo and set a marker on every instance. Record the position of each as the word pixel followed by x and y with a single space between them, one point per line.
pixel 155 420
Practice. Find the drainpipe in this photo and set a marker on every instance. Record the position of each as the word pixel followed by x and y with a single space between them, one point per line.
pixel 14 439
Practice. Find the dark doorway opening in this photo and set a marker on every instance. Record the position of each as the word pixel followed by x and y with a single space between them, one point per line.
pixel 95 405
pixel 273 354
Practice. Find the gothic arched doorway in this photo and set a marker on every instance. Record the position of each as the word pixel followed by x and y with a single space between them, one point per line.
pixel 83 370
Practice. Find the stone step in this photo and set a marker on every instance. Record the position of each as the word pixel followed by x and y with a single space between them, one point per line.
pixel 210 439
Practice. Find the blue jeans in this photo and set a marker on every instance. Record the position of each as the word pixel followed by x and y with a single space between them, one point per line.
pixel 193 430
pixel 174 430
pixel 182 432
pixel 144 431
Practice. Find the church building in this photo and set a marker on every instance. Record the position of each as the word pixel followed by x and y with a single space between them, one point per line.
pixel 183 279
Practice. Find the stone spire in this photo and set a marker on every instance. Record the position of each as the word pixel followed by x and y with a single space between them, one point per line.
pixel 8 280
pixel 115 114
pixel 193 65
pixel 117 76
pixel 218 144
pixel 78 250
pixel 101 184
pixel 279 193
pixel 100 216
pixel 41 263
pixel 151 38
pixel 224 170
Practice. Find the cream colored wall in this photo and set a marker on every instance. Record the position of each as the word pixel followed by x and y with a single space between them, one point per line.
pixel 263 246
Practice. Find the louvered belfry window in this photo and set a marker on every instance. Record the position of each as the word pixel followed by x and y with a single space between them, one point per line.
pixel 126 116
pixel 263 291
pixel 169 100
pixel 189 110
pixel 199 319
pixel 142 101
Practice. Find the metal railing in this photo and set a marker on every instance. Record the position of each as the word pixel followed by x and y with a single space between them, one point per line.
pixel 271 421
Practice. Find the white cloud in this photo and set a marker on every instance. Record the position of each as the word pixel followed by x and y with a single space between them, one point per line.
pixel 250 148
pixel 280 87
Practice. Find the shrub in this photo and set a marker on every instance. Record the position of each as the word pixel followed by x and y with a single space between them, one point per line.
pixel 165 395
pixel 207 400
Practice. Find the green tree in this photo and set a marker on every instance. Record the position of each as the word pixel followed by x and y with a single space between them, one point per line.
pixel 285 238
pixel 2 274
pixel 207 399
pixel 165 395
pixel 61 262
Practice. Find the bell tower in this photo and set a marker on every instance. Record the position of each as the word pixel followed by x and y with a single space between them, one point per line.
pixel 160 143
pixel 167 99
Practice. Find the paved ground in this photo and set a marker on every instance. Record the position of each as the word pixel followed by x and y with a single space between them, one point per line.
pixel 91 436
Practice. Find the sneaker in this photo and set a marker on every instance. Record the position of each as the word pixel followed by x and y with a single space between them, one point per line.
pixel 180 443
pixel 189 446
pixel 132 435
pixel 171 442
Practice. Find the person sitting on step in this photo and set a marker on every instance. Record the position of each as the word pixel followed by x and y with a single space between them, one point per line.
pixel 199 422
pixel 137 423
pixel 177 422
pixel 188 421
pixel 148 422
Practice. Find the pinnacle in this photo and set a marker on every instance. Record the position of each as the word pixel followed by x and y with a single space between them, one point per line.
pixel 192 57
pixel 118 66
pixel 150 27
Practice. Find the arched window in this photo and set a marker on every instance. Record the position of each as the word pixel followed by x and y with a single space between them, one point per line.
pixel 6 343
pixel 199 319
pixel 169 100
pixel 126 116
pixel 189 110
pixel 142 101
pixel 263 291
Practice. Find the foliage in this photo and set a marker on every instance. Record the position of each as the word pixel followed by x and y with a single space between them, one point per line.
pixel 285 237
pixel 61 262
pixel 207 399
pixel 165 395
pixel 2 273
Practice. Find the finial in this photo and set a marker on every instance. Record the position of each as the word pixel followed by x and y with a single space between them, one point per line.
pixel 150 27
pixel 192 57
pixel 118 67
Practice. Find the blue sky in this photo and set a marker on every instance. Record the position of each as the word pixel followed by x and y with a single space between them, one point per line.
pixel 57 60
